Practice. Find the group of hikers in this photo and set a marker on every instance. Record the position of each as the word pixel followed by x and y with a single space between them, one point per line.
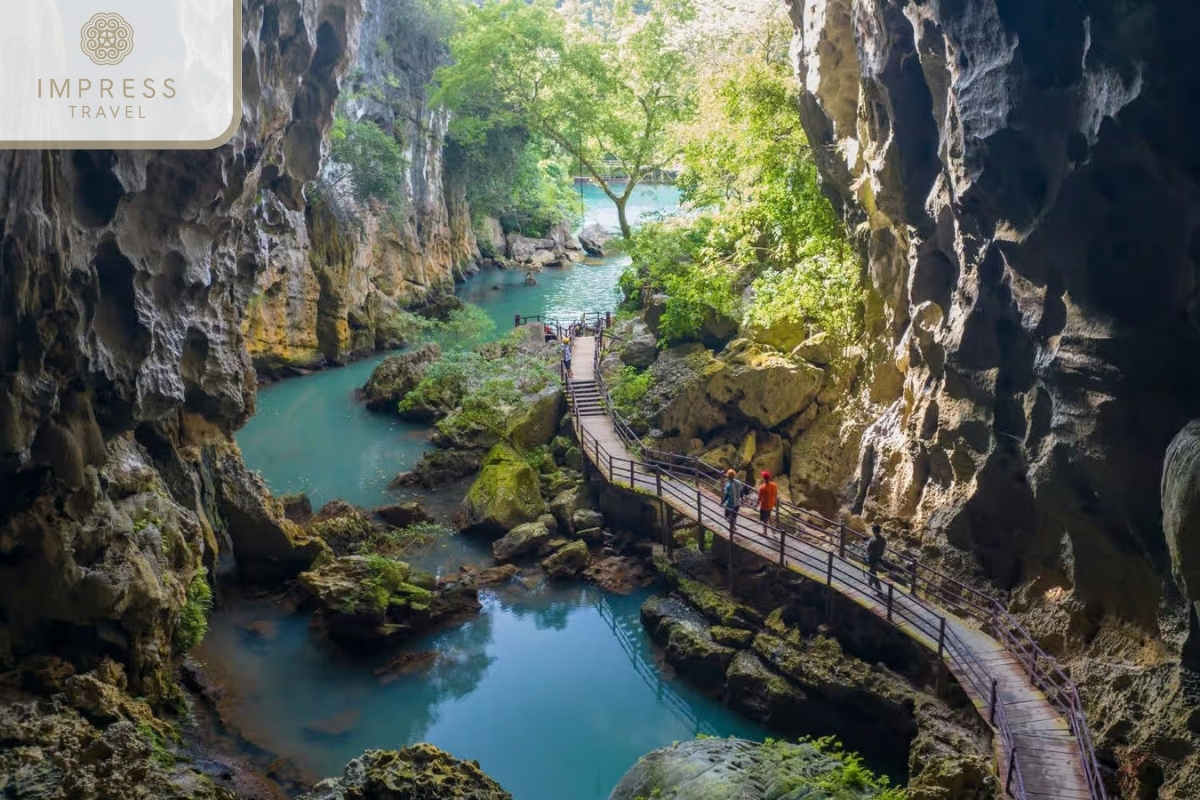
pixel 768 500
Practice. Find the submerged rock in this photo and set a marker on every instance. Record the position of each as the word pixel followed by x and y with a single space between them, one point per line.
pixel 688 642
pixel 721 769
pixel 420 772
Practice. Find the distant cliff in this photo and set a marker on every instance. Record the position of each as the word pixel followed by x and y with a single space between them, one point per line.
pixel 327 294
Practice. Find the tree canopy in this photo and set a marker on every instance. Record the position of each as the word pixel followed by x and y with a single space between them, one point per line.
pixel 606 87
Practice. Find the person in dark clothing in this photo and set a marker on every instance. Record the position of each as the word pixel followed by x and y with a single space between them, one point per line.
pixel 875 550
pixel 731 498
pixel 566 355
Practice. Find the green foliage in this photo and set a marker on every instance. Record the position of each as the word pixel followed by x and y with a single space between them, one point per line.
pixel 598 94
pixel 193 617
pixel 417 537
pixel 676 257
pixel 628 389
pixel 483 385
pixel 465 327
pixel 820 291
pixel 370 159
pixel 159 752
pixel 765 223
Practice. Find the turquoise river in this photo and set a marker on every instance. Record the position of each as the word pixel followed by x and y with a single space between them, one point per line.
pixel 554 690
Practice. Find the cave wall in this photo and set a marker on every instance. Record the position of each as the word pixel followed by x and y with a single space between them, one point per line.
pixel 1022 181
pixel 124 279
pixel 327 295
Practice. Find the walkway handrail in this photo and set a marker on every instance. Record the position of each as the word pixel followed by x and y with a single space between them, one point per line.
pixel 843 547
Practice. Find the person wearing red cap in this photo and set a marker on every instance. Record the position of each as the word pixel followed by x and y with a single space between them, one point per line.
pixel 768 495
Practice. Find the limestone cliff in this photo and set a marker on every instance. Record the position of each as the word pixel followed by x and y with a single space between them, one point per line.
pixel 1022 178
pixel 124 279
pixel 327 295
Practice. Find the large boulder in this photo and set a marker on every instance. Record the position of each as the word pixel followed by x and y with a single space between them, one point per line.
pixel 398 375
pixel 760 694
pixel 562 237
pixel 537 422
pixel 523 248
pixel 506 494
pixel 566 503
pixel 367 602
pixel 438 467
pixel 640 352
pixel 420 772
pixel 522 541
pixel 593 238
pixel 568 561
pixel 401 515
pixel 719 769
pixel 764 386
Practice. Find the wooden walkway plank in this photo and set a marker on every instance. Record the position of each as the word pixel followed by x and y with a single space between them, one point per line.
pixel 1048 755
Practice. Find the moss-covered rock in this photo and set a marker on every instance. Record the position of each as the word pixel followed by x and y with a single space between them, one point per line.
pixel 521 542
pixel 732 637
pixel 536 423
pixel 342 526
pixel 398 375
pixel 506 494
pixel 420 772
pixel 719 769
pixel 687 641
pixel 567 561
pixel 717 606
pixel 365 602
pixel 761 694
pixel 585 518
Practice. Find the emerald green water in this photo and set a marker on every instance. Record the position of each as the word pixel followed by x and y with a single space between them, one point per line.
pixel 555 691
pixel 311 435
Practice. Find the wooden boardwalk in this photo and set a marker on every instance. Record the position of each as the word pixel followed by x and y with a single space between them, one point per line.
pixel 1048 765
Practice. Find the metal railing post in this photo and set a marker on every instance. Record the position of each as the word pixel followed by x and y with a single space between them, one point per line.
pixel 841 542
pixel 913 575
pixel 941 638
pixel 658 480
pixel 1012 764
pixel 782 538
pixel 992 705
pixel 889 601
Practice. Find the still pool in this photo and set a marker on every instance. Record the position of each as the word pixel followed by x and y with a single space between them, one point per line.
pixel 554 691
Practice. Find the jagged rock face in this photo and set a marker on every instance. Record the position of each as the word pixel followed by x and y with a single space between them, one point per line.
pixel 1025 180
pixel 327 297
pixel 123 281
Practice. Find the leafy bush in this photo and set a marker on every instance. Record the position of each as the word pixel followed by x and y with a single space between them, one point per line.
pixel 193 617
pixel 819 292
pixel 628 389
pixel 370 159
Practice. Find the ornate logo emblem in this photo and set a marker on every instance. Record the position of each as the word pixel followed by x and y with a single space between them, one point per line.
pixel 106 39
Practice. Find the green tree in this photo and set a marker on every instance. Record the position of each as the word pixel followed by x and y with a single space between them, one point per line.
pixel 605 93
pixel 369 159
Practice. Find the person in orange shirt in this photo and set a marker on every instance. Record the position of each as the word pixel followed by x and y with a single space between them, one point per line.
pixel 768 495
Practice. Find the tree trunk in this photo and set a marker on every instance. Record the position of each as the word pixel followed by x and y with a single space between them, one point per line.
pixel 621 201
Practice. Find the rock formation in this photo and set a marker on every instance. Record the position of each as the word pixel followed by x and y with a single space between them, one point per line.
pixel 336 271
pixel 1021 176
pixel 124 279
pixel 421 771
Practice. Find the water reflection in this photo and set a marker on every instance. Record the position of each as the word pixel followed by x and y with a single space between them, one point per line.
pixel 555 692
